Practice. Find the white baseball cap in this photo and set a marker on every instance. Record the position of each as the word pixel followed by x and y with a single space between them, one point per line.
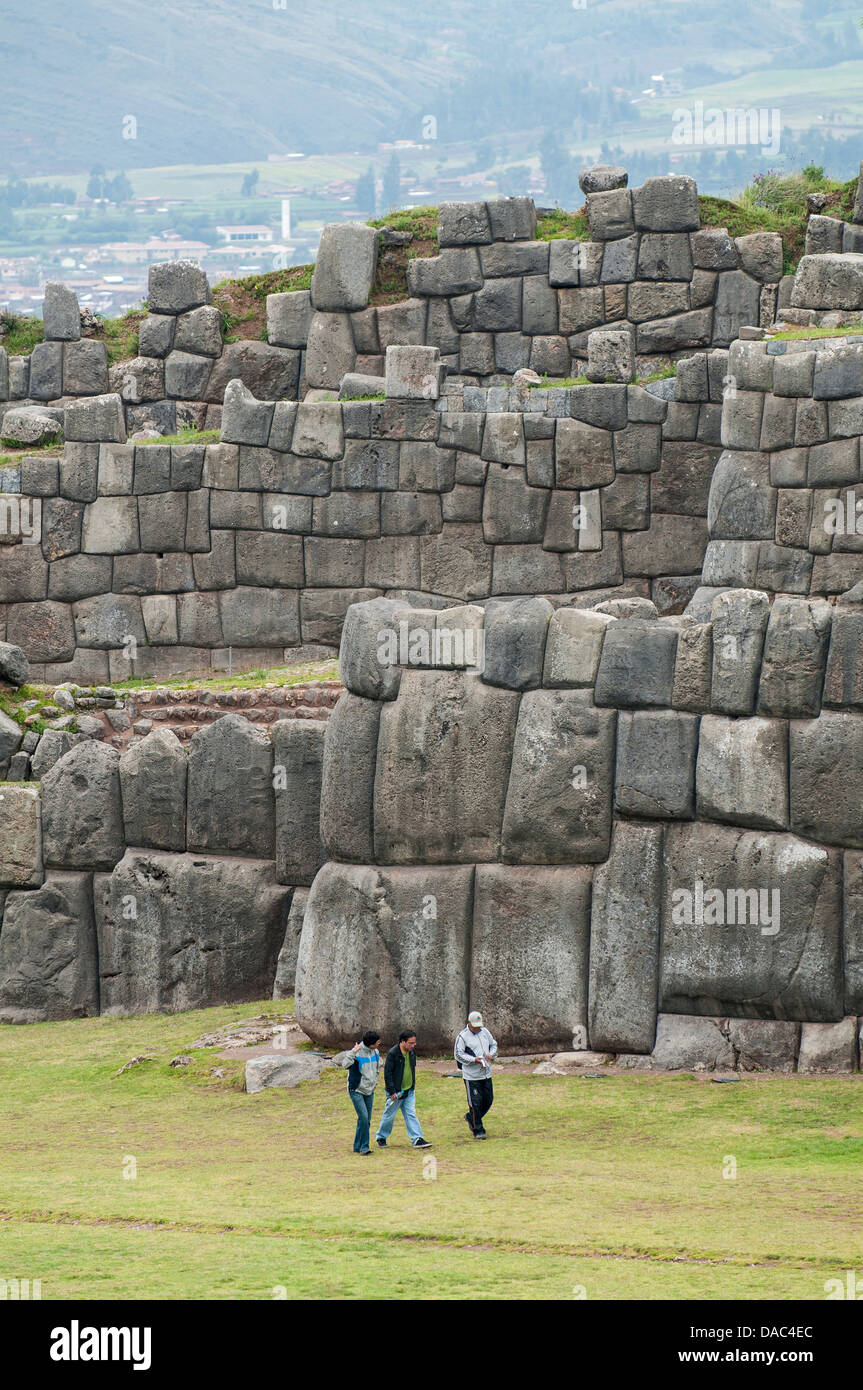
pixel 475 1018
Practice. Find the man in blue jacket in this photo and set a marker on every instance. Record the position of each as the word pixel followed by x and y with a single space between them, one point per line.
pixel 364 1062
pixel 400 1079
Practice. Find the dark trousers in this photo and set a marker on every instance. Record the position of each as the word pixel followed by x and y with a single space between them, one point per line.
pixel 363 1106
pixel 480 1099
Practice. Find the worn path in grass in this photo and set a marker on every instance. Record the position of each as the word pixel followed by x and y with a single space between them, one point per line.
pixel 613 1186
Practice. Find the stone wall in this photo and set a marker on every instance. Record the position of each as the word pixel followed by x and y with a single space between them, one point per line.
pixel 496 299
pixel 176 382
pixel 167 877
pixel 783 511
pixel 155 559
pixel 609 821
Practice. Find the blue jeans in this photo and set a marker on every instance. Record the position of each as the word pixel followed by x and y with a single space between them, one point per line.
pixel 363 1106
pixel 407 1104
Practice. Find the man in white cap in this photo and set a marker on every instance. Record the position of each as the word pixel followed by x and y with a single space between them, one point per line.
pixel 475 1050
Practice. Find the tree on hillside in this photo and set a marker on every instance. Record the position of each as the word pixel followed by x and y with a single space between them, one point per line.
pixel 393 184
pixel 118 189
pixel 94 187
pixel 365 192
pixel 250 183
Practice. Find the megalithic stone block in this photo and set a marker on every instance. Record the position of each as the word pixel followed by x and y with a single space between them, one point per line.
pixel 231 801
pixel 82 814
pixel 153 784
pixel 624 941
pixel 21 837
pixel 203 930
pixel 298 749
pixel 442 769
pixel 286 967
pixel 48 962
pixel 348 779
pixel 345 267
pixel 558 803
pixel 372 941
pixel 751 925
pixel 528 971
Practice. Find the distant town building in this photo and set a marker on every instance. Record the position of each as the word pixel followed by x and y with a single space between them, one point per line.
pixel 247 233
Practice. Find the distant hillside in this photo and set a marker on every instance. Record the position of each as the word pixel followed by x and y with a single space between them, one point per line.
pixel 236 79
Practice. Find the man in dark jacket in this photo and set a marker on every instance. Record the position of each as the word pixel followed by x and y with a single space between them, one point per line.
pixel 400 1079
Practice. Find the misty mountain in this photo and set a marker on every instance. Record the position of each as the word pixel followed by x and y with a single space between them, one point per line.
pixel 207 81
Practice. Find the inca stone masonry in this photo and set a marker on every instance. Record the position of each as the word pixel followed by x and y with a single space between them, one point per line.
pixel 635 820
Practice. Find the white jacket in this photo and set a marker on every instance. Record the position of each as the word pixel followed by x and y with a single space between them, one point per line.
pixel 469 1049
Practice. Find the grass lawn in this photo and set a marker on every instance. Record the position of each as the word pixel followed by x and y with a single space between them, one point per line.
pixel 614 1187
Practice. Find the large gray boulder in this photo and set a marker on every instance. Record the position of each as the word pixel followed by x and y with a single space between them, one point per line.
pixel 176 286
pixel 529 952
pixel 558 803
pixel 345 266
pixel 231 801
pixel 286 966
pixel 655 772
pixel 574 646
pixel 263 1073
pixel 637 664
pixel 153 784
pixel 442 769
pixel 828 282
pixel 515 638
pixel 372 940
pixel 751 925
pixel 602 178
pixel 795 656
pixel 369 631
pixel 21 840
pixel 742 774
pixel 826 774
pixel 61 316
pixel 739 618
pixel 828 1047
pixel 48 963
pixel 624 941
pixel 30 425
pixel 348 779
pixel 765 1044
pixel 11 738
pixel 181 931
pixel 684 1043
pixel 298 750
pixel 14 666
pixel 270 373
pixel 330 353
pixel 82 813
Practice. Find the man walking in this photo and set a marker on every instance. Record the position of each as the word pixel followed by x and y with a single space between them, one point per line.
pixel 475 1050
pixel 364 1062
pixel 400 1079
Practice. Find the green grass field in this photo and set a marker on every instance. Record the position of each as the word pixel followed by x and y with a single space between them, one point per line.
pixel 605 1189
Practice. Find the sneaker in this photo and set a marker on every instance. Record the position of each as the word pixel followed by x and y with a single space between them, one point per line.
pixel 381 1143
pixel 364 1153
pixel 469 1122
pixel 421 1144
pixel 480 1134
